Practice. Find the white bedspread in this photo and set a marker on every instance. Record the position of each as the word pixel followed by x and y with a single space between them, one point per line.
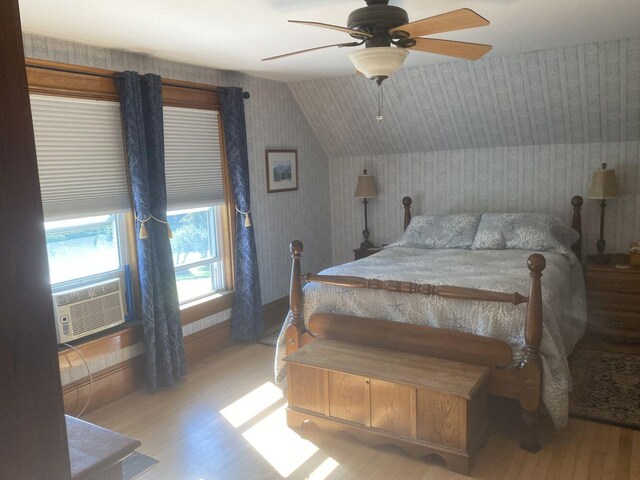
pixel 563 296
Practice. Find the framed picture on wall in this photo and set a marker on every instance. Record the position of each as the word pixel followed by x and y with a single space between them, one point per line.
pixel 282 170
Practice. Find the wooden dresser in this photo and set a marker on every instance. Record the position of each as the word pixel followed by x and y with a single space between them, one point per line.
pixel 613 299
pixel 424 405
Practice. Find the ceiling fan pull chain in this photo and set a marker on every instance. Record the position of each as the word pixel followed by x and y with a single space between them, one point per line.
pixel 379 117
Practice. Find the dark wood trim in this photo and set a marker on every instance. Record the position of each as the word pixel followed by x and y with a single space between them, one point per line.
pixel 576 224
pixel 207 342
pixel 126 377
pixel 101 345
pixel 127 335
pixel 67 84
pixel 406 202
pixel 205 308
pixel 109 385
pixel 189 95
pixel 123 378
pixel 275 312
pixel 54 78
pixel 446 291
pixel 229 215
pixel 33 431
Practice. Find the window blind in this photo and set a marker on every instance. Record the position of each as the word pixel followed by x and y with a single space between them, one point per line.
pixel 80 156
pixel 193 159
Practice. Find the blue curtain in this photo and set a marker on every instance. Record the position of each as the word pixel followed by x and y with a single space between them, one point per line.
pixel 141 108
pixel 246 317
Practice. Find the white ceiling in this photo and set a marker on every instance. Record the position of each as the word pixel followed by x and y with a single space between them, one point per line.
pixel 235 35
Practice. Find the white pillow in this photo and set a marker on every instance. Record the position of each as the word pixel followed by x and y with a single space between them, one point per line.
pixel 439 231
pixel 524 231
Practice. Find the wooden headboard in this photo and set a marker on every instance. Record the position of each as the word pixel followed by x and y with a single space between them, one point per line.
pixel 576 221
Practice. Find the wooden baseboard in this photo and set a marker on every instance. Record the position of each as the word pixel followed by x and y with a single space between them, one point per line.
pixel 275 312
pixel 123 378
pixel 108 385
pixel 207 342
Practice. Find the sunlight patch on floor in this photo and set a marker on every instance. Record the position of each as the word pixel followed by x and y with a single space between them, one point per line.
pixel 283 448
pixel 324 470
pixel 253 403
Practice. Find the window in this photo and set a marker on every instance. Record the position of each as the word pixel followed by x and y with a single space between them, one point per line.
pixel 82 248
pixel 84 189
pixel 196 254
pixel 195 193
pixel 82 169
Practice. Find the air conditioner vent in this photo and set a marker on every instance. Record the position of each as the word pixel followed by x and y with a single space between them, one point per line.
pixel 88 310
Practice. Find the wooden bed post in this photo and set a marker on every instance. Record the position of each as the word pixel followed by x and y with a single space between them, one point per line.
pixel 576 224
pixel 295 331
pixel 531 366
pixel 406 201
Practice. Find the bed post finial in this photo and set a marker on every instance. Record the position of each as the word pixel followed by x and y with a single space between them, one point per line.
pixel 576 224
pixel 295 292
pixel 533 327
pixel 406 201
pixel 531 366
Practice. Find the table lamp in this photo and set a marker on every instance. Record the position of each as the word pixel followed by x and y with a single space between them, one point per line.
pixel 603 186
pixel 365 189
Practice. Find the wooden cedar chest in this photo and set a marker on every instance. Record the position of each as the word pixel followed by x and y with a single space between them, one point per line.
pixel 424 405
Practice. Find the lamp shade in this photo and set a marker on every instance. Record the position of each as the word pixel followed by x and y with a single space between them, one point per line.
pixel 366 187
pixel 378 62
pixel 603 184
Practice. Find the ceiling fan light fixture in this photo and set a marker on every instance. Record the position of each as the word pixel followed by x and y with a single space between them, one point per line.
pixel 378 63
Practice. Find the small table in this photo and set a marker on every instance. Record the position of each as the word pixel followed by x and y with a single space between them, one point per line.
pixel 359 253
pixel 95 452
pixel 613 298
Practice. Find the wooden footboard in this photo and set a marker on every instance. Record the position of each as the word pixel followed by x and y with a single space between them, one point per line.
pixel 521 380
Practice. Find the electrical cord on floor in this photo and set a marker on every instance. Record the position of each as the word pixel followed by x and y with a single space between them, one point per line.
pixel 86 364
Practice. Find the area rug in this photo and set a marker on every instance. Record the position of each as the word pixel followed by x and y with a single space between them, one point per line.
pixel 136 464
pixel 606 387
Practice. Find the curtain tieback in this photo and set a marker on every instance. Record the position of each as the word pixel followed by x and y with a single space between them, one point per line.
pixel 143 229
pixel 247 220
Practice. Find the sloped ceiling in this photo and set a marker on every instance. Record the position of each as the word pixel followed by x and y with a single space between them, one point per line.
pixel 582 94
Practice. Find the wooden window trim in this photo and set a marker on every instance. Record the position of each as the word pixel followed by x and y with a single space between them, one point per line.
pixel 63 79
pixel 54 78
pixel 197 310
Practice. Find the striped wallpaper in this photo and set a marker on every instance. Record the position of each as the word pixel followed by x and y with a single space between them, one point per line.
pixel 580 94
pixel 535 178
pixel 513 133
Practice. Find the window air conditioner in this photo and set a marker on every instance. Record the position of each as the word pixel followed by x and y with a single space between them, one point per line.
pixel 88 310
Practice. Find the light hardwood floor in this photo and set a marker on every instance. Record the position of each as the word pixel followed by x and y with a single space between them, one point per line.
pixel 226 421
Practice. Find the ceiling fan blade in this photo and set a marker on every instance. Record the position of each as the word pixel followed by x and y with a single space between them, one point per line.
pixel 340 45
pixel 446 22
pixel 469 51
pixel 333 27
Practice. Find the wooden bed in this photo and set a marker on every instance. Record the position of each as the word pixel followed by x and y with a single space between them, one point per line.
pixel 520 380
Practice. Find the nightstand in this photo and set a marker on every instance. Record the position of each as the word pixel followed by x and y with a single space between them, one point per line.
pixel 613 299
pixel 359 253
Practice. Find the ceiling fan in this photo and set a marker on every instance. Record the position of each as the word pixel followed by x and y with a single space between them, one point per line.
pixel 387 34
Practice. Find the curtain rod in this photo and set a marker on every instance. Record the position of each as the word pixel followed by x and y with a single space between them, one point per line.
pixel 245 95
